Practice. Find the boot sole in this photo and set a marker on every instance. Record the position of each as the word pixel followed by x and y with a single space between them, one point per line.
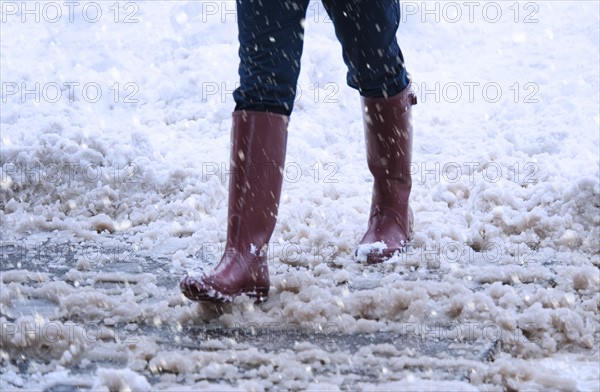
pixel 213 296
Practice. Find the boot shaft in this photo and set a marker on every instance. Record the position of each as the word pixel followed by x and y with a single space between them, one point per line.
pixel 388 136
pixel 258 147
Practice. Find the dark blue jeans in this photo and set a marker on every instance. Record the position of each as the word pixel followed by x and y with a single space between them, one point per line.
pixel 271 35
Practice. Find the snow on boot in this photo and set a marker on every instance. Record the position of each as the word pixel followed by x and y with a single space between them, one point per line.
pixel 258 144
pixel 388 135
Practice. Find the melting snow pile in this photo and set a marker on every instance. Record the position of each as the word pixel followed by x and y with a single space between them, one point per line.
pixel 114 174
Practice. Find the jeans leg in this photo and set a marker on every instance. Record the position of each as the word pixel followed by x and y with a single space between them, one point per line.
pixel 367 31
pixel 271 36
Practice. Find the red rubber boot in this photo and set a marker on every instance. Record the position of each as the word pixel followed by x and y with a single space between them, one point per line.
pixel 258 144
pixel 388 134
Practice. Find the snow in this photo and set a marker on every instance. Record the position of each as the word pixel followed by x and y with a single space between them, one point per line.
pixel 362 251
pixel 108 200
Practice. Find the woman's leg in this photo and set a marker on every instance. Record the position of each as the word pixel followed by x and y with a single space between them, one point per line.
pixel 367 31
pixel 270 34
pixel 271 38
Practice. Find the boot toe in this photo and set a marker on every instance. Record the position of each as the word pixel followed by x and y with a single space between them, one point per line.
pixel 197 290
pixel 378 252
